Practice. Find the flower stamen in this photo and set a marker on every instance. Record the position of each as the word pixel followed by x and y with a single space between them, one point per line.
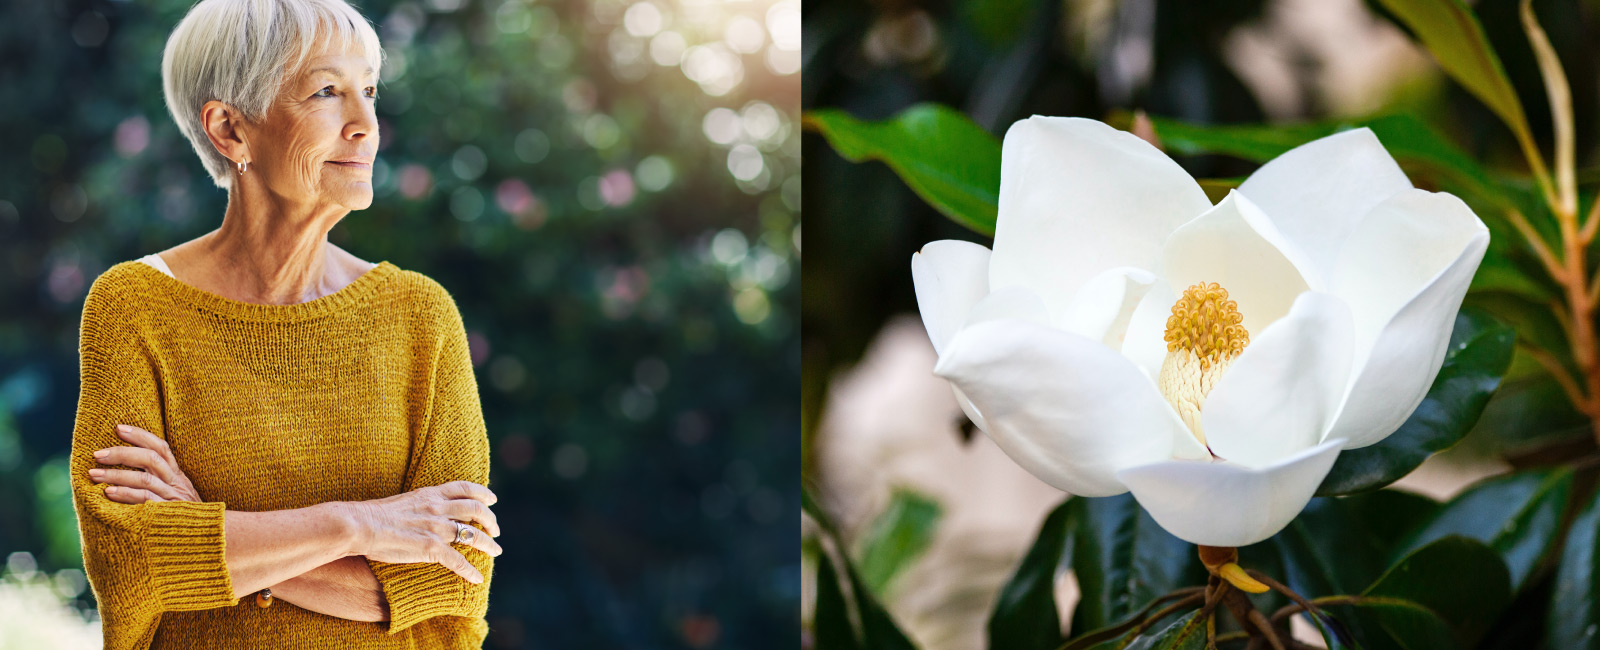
pixel 1204 335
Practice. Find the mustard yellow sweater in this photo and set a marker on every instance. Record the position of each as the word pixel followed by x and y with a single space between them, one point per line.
pixel 361 394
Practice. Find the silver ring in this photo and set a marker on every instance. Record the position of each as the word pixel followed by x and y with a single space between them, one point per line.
pixel 464 533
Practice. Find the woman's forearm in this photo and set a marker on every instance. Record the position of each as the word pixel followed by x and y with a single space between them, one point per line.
pixel 344 588
pixel 267 548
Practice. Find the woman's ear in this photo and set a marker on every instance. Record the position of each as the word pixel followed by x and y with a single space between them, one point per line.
pixel 222 123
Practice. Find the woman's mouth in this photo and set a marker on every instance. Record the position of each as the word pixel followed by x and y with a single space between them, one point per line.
pixel 352 164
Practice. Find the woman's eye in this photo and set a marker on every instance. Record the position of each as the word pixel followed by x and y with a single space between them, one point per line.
pixel 372 92
pixel 325 92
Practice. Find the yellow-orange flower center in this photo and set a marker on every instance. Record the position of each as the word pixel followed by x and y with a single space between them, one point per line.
pixel 1205 322
pixel 1204 335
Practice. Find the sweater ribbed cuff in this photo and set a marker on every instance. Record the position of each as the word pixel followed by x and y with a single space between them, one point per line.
pixel 417 592
pixel 187 554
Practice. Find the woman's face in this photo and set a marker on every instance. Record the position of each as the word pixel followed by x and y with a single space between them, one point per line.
pixel 319 139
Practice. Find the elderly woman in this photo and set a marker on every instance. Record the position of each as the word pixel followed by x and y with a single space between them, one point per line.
pixel 265 417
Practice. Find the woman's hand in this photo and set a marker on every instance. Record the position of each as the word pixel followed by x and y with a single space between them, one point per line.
pixel 161 479
pixel 419 526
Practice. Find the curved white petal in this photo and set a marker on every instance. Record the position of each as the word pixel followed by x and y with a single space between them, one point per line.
pixel 1145 342
pixel 1078 197
pixel 1318 191
pixel 1235 245
pixel 1009 303
pixel 1224 504
pixel 950 276
pixel 1403 272
pixel 1104 305
pixel 1284 391
pixel 1064 407
pixel 972 411
pixel 1019 303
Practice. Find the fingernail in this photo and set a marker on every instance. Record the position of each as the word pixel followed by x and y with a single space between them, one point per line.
pixel 101 454
pixel 111 490
pixel 96 473
pixel 122 428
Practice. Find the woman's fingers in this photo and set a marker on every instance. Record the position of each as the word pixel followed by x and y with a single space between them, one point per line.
pixel 144 439
pixel 473 511
pixel 131 496
pixel 136 479
pixel 468 490
pixel 139 457
pixel 455 561
pixel 480 541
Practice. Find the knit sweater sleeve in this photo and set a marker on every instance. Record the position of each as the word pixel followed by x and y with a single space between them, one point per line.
pixel 141 560
pixel 456 448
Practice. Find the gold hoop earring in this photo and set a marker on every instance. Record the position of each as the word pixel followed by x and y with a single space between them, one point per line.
pixel 242 165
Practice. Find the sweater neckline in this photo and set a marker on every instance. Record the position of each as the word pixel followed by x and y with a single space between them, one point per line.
pixel 345 298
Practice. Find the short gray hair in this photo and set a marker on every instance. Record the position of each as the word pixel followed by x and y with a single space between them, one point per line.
pixel 240 52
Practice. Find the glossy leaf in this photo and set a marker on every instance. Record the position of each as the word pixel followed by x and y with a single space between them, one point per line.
pixel 1417 147
pixel 944 157
pixel 1186 633
pixel 1479 353
pixel 1025 616
pixel 1451 32
pixel 897 538
pixel 1574 619
pixel 1123 560
pixel 1329 549
pixel 1518 516
pixel 1460 580
pixel 832 622
pixel 878 629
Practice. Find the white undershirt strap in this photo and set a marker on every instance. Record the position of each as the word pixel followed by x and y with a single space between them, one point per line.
pixel 160 264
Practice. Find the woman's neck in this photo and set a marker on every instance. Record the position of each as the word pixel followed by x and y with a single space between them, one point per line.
pixel 271 254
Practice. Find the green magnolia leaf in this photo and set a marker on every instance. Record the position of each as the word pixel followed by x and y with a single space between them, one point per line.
pixel 832 622
pixel 1516 515
pixel 878 629
pixel 897 538
pixel 1451 32
pixel 1417 147
pixel 1186 633
pixel 1123 560
pixel 947 159
pixel 1329 549
pixel 1025 615
pixel 1479 353
pixel 1460 580
pixel 1574 619
pixel 1389 516
pixel 1390 624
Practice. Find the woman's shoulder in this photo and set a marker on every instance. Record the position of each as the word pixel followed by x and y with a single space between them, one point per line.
pixel 426 297
pixel 124 285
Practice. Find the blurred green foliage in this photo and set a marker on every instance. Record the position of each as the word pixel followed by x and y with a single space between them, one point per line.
pixel 611 192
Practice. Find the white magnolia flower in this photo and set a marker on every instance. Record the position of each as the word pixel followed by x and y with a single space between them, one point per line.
pixel 1126 334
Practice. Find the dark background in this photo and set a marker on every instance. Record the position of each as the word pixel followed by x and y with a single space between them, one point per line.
pixel 620 234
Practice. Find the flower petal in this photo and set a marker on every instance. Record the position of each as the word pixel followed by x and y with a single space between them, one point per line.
pixel 1234 244
pixel 1018 303
pixel 1318 191
pixel 950 276
pixel 1078 197
pixel 1104 305
pixel 1225 504
pixel 1064 407
pixel 1283 392
pixel 1146 342
pixel 1403 272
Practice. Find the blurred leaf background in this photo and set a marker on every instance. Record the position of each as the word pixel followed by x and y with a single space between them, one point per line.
pixel 610 189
